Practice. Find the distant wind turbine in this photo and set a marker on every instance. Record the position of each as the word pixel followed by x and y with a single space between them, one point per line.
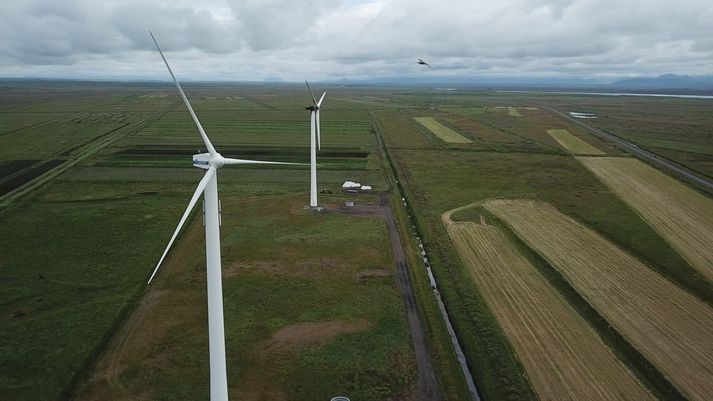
pixel 208 187
pixel 314 132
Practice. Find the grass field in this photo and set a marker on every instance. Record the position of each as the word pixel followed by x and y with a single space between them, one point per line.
pixel 78 251
pixel 672 328
pixel 681 215
pixel 573 144
pixel 442 131
pixel 301 324
pixel 563 357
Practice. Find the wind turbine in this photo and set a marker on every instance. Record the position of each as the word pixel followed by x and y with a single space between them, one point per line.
pixel 208 187
pixel 314 132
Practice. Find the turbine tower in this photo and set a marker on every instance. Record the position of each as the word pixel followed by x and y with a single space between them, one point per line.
pixel 208 187
pixel 314 134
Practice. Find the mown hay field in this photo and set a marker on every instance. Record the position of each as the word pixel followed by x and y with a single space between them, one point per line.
pixel 670 327
pixel 442 131
pixel 563 357
pixel 679 214
pixel 573 144
pixel 514 112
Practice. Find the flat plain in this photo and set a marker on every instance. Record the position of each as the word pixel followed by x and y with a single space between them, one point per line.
pixel 668 325
pixel 78 322
pixel 78 251
pixel 678 213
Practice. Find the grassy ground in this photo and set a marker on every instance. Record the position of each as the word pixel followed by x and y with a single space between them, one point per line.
pixel 301 323
pixel 79 250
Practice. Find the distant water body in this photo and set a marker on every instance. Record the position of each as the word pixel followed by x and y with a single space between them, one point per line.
pixel 618 94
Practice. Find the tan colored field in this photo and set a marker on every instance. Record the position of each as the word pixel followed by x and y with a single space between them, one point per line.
pixel 679 214
pixel 442 131
pixel 563 357
pixel 573 144
pixel 669 326
pixel 513 112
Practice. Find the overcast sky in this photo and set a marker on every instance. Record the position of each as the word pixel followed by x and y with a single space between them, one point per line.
pixel 333 39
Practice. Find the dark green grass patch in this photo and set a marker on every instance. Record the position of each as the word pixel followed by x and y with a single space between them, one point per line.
pixel 26 175
pixel 68 271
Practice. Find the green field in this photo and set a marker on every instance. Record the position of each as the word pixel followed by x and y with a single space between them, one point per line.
pixel 311 302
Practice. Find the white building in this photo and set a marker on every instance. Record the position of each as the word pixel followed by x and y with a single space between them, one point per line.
pixel 351 185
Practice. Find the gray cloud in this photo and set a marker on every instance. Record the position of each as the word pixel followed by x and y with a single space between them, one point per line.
pixel 251 39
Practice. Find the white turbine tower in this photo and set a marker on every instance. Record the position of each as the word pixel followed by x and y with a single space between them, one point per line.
pixel 208 186
pixel 314 134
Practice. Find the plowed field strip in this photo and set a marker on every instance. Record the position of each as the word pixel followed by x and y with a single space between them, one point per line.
pixel 563 357
pixel 672 328
pixel 679 214
pixel 573 144
pixel 442 131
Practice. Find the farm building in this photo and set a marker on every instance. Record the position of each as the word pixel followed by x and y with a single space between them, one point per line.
pixel 354 187
pixel 351 185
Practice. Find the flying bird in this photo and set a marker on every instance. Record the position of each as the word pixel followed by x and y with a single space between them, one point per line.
pixel 424 63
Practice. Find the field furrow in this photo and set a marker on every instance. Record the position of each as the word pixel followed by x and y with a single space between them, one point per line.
pixel 679 214
pixel 562 355
pixel 669 326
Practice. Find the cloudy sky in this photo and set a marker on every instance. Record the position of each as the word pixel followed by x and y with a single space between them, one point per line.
pixel 333 39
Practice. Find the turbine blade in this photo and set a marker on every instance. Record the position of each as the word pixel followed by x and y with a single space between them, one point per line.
pixel 197 194
pixel 227 160
pixel 206 141
pixel 311 94
pixel 319 130
pixel 319 104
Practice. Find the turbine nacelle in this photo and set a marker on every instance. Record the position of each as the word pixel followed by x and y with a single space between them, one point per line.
pixel 202 160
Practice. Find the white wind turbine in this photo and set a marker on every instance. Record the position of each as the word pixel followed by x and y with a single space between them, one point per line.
pixel 208 186
pixel 314 134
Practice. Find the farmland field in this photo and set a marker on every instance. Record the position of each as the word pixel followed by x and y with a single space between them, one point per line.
pixel 77 252
pixel 681 215
pixel 563 357
pixel 668 325
pixel 512 111
pixel 300 324
pixel 516 157
pixel 442 131
pixel 97 174
pixel 572 143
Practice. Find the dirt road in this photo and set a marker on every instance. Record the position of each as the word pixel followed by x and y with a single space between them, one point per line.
pixel 428 382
